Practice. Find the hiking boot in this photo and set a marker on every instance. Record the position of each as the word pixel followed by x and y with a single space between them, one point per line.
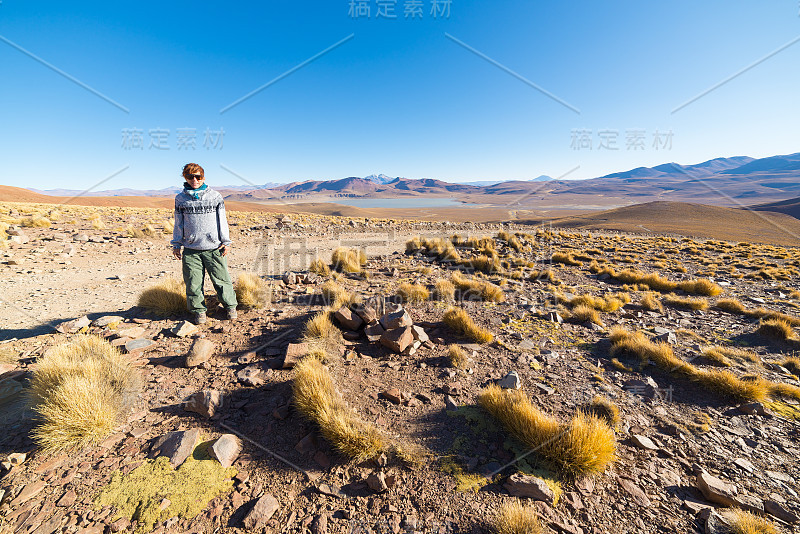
pixel 232 314
pixel 199 318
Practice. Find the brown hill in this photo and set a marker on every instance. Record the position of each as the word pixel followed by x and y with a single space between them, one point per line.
pixel 789 207
pixel 686 219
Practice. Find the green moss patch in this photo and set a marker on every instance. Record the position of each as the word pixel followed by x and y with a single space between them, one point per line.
pixel 139 494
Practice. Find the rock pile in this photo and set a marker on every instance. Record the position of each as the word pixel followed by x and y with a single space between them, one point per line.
pixel 394 328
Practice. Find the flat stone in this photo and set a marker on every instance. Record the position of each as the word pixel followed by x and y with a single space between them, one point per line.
pixel 643 442
pixel 638 495
pixel 367 313
pixel 264 509
pixel 28 492
pixel 139 345
pixel 393 395
pixel 131 331
pixel 205 402
pixel 183 329
pixel 450 403
pixel 306 445
pixel 717 523
pixel 107 320
pixel 521 485
pixel 177 445
pixel 377 482
pixel 398 339
pixel 226 449
pixel 294 353
pixel 200 352
pixel 510 381
pixel 419 334
pixel 397 319
pixel 715 490
pixel 777 510
pixel 744 464
pixel 374 332
pixel 70 327
pixel 348 318
pixel 13 460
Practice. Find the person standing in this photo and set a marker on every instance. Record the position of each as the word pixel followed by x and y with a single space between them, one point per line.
pixel 201 229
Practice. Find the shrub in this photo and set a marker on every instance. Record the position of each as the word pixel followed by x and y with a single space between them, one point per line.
pixel 516 518
pixel 413 293
pixel 457 356
pixel 319 267
pixel 252 291
pixel 583 313
pixel 605 409
pixel 348 260
pixel 483 263
pixel 166 298
pixel 460 321
pixel 78 390
pixel 585 445
pixel 318 400
pixel 444 290
pixel 776 329
pixel 471 289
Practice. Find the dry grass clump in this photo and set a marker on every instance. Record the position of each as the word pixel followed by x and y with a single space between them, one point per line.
pixel 742 522
pixel 656 282
pixel 730 306
pixel 444 290
pixel 605 409
pixel 639 345
pixel 585 445
pixel 792 365
pixel 78 390
pixel 686 303
pixel 728 385
pixel 544 275
pixel 471 289
pixel 459 320
pixel 335 295
pixel 319 267
pixel 252 292
pixel 609 303
pixel 348 260
pixel 36 221
pixel 318 400
pixel 650 302
pixel 722 355
pixel 166 298
pixel 321 327
pixel 457 357
pixel 443 249
pixel 583 314
pixel 516 518
pixel 98 224
pixel 565 259
pixel 413 293
pixel 618 365
pixel 486 264
pixel 776 328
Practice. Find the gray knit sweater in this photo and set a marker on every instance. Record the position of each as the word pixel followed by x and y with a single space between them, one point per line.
pixel 200 223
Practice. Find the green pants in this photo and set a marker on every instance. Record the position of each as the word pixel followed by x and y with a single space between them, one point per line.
pixel 195 265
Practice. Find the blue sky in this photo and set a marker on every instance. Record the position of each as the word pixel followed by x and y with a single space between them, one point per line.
pixel 398 97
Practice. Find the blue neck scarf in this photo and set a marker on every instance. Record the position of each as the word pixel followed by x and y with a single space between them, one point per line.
pixel 194 192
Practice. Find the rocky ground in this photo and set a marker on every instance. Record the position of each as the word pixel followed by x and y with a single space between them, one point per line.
pixel 682 449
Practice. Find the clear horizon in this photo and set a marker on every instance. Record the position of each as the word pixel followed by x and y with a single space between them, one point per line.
pixel 109 97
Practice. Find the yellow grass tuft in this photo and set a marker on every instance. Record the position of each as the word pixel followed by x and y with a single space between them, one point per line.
pixel 650 302
pixel 729 385
pixel 483 263
pixel 747 523
pixel 516 518
pixel 78 389
pixel 605 409
pixel 317 399
pixel 686 303
pixel 166 298
pixel 471 289
pixel 335 295
pixel 457 356
pixel 444 290
pixel 36 221
pixel 777 328
pixel 637 344
pixel 730 306
pixel 413 293
pixel 319 267
pixel 792 365
pixel 657 282
pixel 585 445
pixel 252 291
pixel 722 355
pixel 583 313
pixel 565 258
pixel 348 260
pixel 459 320
pixel 609 303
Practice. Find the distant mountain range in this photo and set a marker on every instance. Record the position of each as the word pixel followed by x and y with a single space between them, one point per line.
pixel 722 181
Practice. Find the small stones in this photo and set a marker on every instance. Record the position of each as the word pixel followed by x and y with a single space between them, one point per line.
pixel 68 499
pixel 396 319
pixel 377 482
pixel 715 490
pixel 13 460
pixel 176 445
pixel 70 327
pixel 450 403
pixel 638 495
pixel 205 402
pixel 200 352
pixel 264 509
pixel 374 332
pixel 252 376
pixel 28 492
pixel 226 449
pixel 393 395
pixel 138 345
pixel 510 381
pixel 419 334
pixel 107 320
